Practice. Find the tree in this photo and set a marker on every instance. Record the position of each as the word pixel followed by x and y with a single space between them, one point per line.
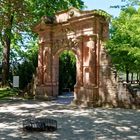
pixel 126 3
pixel 12 26
pixel 124 45
pixel 67 71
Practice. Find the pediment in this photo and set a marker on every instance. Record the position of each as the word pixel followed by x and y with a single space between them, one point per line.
pixel 66 15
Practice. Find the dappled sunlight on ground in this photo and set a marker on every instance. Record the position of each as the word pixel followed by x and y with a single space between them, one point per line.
pixel 74 123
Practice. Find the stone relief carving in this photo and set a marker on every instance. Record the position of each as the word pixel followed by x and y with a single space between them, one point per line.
pixel 71 13
pixel 91 46
pixel 64 43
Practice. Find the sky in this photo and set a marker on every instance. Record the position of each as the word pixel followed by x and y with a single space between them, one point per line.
pixel 104 5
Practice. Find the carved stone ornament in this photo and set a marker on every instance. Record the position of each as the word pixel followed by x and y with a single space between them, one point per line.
pixel 64 43
pixel 71 13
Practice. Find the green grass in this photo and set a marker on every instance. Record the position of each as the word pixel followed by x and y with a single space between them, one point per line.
pixel 5 93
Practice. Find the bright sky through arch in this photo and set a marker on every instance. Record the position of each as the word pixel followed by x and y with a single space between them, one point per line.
pixel 104 5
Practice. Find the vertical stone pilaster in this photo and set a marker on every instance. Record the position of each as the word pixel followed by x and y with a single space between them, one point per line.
pixel 105 31
pixel 47 64
pixel 91 44
pixel 40 65
pixel 79 63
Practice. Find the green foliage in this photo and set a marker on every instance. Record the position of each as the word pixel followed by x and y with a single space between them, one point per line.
pixel 40 8
pixel 5 93
pixel 102 13
pixel 31 12
pixel 124 45
pixel 27 65
pixel 126 3
pixel 67 70
pixel 16 20
pixel 25 72
pixel 0 53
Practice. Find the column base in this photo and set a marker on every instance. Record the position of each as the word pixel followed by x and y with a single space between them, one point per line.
pixel 45 92
pixel 86 96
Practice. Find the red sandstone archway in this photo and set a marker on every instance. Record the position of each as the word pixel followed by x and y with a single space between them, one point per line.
pixel 84 34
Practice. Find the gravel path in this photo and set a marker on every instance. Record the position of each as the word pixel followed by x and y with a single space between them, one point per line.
pixel 73 123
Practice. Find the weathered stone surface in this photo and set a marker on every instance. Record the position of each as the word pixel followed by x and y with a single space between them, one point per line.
pixel 83 33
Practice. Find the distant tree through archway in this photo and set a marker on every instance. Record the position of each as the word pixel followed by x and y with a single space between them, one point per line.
pixel 67 71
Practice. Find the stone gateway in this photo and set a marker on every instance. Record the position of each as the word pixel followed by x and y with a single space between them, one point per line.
pixel 83 33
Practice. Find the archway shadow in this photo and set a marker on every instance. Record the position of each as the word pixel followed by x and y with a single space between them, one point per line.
pixel 65 98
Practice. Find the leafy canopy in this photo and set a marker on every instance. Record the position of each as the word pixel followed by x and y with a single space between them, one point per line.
pixel 124 45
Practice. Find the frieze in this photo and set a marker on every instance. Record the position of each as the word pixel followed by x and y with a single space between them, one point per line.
pixel 64 43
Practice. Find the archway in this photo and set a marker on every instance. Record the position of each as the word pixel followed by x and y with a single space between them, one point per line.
pixel 67 50
pixel 67 72
pixel 83 33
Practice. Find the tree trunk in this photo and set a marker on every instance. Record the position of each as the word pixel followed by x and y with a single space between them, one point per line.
pixel 127 76
pixel 5 62
pixel 137 77
pixel 6 41
pixel 132 77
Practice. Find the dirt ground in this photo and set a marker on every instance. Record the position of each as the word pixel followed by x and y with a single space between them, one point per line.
pixel 74 123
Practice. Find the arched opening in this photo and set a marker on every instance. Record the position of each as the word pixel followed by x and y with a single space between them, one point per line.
pixel 67 71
